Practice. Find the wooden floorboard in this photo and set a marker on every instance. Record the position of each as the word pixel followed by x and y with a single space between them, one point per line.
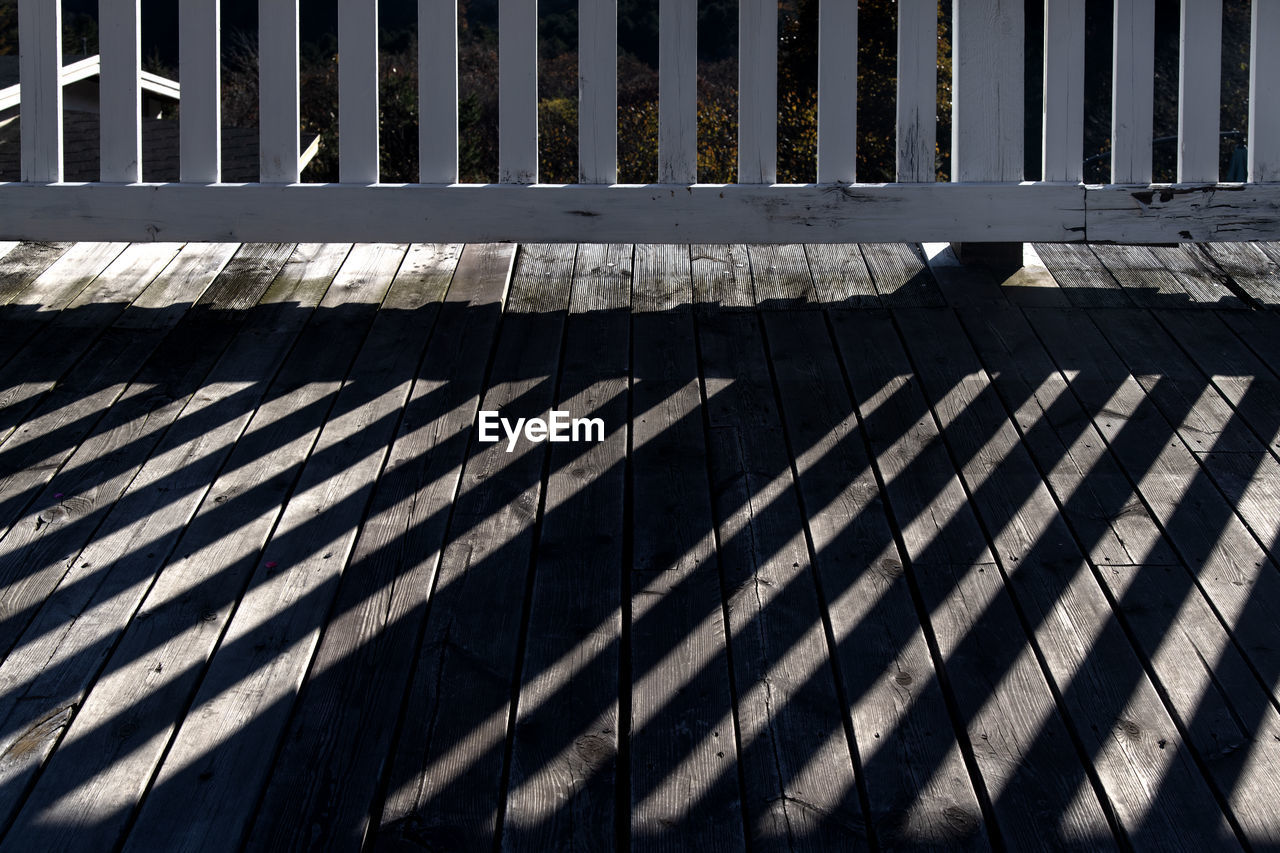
pixel 62 652
pixel 1000 692
pixel 450 761
pixel 878 551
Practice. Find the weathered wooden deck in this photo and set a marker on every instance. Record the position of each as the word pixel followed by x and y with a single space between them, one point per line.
pixel 876 553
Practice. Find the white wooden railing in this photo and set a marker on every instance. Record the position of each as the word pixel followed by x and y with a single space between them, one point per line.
pixel 986 201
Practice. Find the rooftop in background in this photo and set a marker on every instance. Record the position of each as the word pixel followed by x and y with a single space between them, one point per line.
pixel 160 136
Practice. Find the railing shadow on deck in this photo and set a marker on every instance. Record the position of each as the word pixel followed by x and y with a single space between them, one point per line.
pixel 418 708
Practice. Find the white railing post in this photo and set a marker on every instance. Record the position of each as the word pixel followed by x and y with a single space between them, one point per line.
pixel 40 65
pixel 1200 89
pixel 1264 83
pixel 437 91
pixel 837 91
pixel 758 91
pixel 917 90
pixel 677 91
pixel 200 67
pixel 279 114
pixel 597 91
pixel 120 112
pixel 518 92
pixel 357 92
pixel 987 87
pixel 1133 66
pixel 1063 129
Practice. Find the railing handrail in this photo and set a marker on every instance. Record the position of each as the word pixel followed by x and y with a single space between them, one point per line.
pixel 987 198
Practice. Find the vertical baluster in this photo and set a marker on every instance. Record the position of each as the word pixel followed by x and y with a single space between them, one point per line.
pixel 597 91
pixel 758 91
pixel 278 101
pixel 1133 80
pixel 518 91
pixel 917 90
pixel 1264 82
pixel 200 65
pixel 40 66
pixel 438 91
pixel 357 92
pixel 1200 89
pixel 677 91
pixel 837 91
pixel 987 85
pixel 120 92
pixel 1063 137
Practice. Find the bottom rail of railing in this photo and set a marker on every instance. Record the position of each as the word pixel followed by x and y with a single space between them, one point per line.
pixel 657 213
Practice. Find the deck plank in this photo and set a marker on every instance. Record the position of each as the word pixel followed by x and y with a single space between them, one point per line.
pixel 22 263
pixel 1083 277
pixel 721 277
pixel 1252 270
pixel 781 276
pixel 1209 686
pixel 1098 678
pixel 684 757
pixel 45 679
pixel 266 652
pixel 564 764
pixel 38 304
pixel 36 450
pixel 322 789
pixel 38 367
pixel 156 667
pixel 918 788
pixel 448 766
pixel 1204 282
pixel 933 577
pixel 901 276
pixel 1000 692
pixel 1142 276
pixel 799 786
pixel 662 278
pixel 840 275
pixel 59 518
